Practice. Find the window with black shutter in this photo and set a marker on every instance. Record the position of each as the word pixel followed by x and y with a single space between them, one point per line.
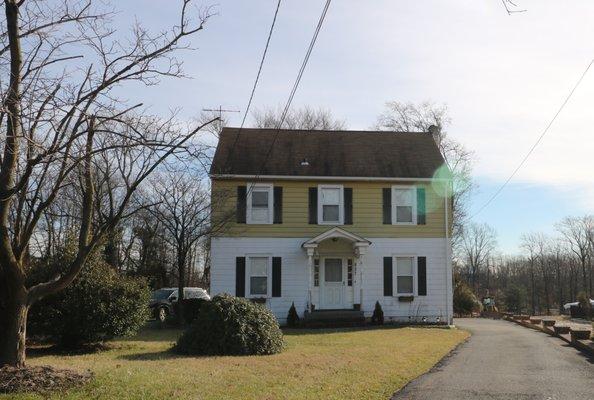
pixel 388 283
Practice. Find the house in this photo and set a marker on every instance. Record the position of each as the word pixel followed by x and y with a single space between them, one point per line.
pixel 333 220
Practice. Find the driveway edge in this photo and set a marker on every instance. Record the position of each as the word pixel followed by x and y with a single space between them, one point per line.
pixel 439 364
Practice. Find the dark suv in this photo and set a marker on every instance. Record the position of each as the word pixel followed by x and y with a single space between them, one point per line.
pixel 163 300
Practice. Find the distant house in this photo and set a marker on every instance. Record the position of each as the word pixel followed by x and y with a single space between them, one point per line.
pixel 333 220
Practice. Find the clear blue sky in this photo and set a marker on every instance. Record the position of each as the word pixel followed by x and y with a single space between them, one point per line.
pixel 502 77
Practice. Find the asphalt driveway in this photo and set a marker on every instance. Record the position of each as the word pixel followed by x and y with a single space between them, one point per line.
pixel 505 361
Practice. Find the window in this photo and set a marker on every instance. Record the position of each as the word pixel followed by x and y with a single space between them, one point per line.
pixel 404 205
pixel 350 272
pixel 330 205
pixel 317 272
pixel 259 204
pixel 405 276
pixel 258 276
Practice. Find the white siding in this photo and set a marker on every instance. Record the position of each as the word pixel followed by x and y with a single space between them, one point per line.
pixel 437 303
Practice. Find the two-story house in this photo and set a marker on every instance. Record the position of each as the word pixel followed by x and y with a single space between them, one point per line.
pixel 333 220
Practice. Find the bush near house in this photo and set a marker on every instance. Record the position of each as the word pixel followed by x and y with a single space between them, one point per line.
pixel 292 317
pixel 229 325
pixel 378 315
pixel 465 302
pixel 99 305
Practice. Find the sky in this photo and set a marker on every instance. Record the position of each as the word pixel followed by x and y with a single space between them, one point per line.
pixel 502 77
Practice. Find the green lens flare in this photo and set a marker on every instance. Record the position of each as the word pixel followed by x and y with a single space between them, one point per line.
pixel 441 183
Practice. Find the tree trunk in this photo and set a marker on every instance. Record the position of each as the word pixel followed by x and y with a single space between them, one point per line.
pixel 13 326
pixel 181 274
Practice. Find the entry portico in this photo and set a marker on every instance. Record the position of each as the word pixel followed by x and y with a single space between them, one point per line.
pixel 335 260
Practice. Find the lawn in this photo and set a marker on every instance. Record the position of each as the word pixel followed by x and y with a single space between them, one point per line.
pixel 328 364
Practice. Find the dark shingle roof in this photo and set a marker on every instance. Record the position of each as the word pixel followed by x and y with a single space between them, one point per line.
pixel 329 153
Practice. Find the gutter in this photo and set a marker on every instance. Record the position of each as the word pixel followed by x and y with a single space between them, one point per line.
pixel 327 178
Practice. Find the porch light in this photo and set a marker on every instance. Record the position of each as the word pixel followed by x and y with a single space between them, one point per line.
pixel 304 163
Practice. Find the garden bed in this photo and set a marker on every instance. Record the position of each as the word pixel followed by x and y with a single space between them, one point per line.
pixel 40 379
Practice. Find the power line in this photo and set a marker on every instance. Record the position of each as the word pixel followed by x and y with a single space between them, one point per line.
pixel 249 104
pixel 542 135
pixel 295 85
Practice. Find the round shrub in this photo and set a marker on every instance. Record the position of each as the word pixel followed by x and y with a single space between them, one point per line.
pixel 465 302
pixel 99 305
pixel 229 325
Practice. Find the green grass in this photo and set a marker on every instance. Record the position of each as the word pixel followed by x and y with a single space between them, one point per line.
pixel 325 364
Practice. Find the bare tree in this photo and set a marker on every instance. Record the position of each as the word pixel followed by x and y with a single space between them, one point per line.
pixel 575 231
pixel 182 207
pixel 477 246
pixel 409 117
pixel 61 118
pixel 305 118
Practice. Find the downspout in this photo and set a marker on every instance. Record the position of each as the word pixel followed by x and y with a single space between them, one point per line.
pixel 447 254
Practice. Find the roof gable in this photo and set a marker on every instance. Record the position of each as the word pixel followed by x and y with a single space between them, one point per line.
pixel 328 153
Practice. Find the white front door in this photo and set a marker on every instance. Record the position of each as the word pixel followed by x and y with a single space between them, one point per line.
pixel 333 284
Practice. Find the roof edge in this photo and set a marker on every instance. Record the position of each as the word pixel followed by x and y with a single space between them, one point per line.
pixel 328 178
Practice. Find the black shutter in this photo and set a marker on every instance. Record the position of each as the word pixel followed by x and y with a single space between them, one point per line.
pixel 421 208
pixel 278 205
pixel 348 206
pixel 388 276
pixel 240 276
pixel 422 275
pixel 313 205
pixel 276 276
pixel 241 204
pixel 387 205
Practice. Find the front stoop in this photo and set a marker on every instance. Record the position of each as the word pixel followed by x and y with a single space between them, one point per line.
pixel 333 318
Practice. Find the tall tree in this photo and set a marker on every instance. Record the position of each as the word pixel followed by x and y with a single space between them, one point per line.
pixel 477 246
pixel 410 117
pixel 61 118
pixel 305 118
pixel 575 231
pixel 182 207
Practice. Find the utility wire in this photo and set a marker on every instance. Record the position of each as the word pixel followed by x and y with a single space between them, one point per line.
pixel 542 135
pixel 295 86
pixel 249 104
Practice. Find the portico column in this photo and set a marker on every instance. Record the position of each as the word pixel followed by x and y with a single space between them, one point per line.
pixel 310 271
pixel 360 250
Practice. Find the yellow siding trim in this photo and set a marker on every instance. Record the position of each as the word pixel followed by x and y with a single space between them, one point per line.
pixel 367 211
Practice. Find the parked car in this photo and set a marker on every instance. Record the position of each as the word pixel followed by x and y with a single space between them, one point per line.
pixel 163 300
pixel 568 306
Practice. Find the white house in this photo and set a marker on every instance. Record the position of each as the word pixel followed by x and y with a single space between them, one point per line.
pixel 333 220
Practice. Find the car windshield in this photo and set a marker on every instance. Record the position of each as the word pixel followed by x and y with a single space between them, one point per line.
pixel 162 294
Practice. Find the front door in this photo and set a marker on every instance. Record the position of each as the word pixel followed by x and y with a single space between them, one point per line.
pixel 333 284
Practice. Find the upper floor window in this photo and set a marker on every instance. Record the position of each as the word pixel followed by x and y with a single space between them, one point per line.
pixel 404 205
pixel 330 204
pixel 260 204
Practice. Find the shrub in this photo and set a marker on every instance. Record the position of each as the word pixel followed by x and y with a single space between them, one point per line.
pixel 229 325
pixel 100 304
pixel 584 304
pixel 378 314
pixel 292 317
pixel 465 302
pixel 514 297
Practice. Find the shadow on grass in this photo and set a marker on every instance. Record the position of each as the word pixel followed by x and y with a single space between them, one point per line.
pixel 168 354
pixel 55 350
pixel 321 331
